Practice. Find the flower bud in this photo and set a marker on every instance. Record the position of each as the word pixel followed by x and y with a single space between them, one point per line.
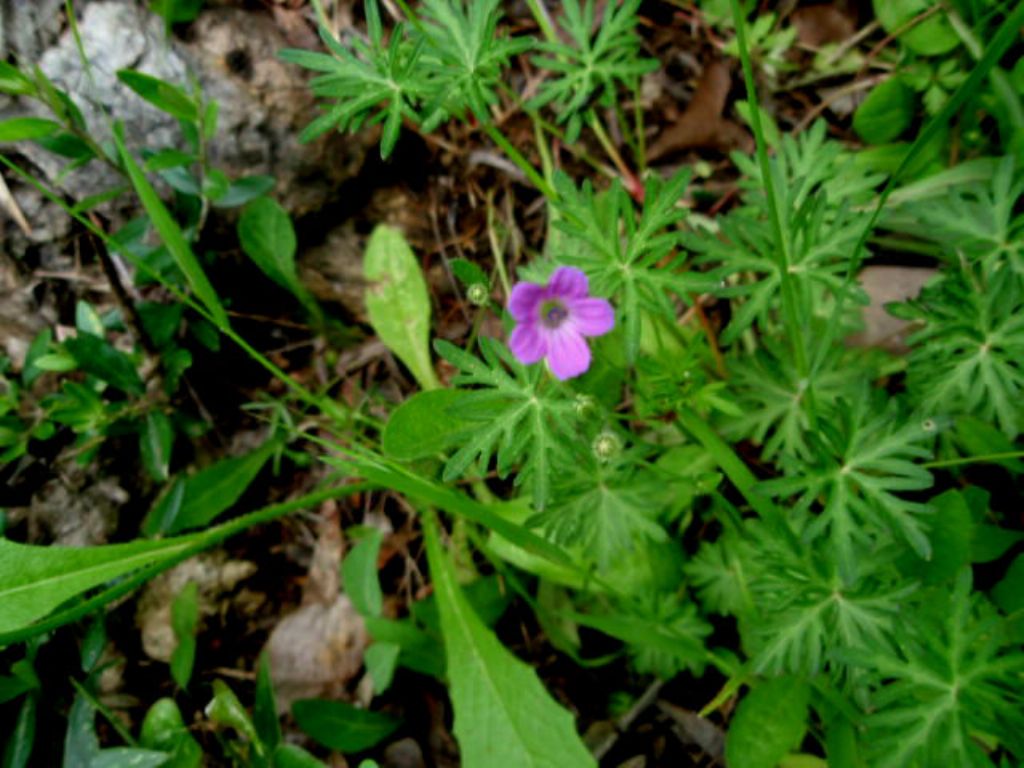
pixel 478 294
pixel 607 446
pixel 583 405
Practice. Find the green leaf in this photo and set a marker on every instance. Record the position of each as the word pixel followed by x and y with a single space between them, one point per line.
pixel 164 729
pixel 342 726
pixel 196 500
pixel 931 37
pixel 184 622
pixel 886 113
pixel 14 81
pixel 165 96
pixel 81 744
pixel 1008 594
pixel 503 715
pixel 990 542
pixel 21 128
pixel 264 711
pixel 242 190
pixel 35 580
pixel 130 757
pixel 267 237
pixel 770 722
pixel 469 273
pixel 420 650
pixel 156 439
pixel 170 233
pixel 951 534
pixel 21 680
pixel 954 674
pixel 97 357
pixel 20 743
pixel 515 420
pixel 359 571
pixel 225 708
pixel 292 756
pixel 426 424
pixel 87 319
pixel 381 659
pixel 398 303
pixel 177 11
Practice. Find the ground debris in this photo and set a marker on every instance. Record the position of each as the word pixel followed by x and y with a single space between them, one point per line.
pixel 215 575
pixel 316 650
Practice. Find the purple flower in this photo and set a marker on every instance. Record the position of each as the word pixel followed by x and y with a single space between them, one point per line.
pixel 552 321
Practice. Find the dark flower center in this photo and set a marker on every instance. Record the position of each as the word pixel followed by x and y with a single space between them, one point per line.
pixel 553 313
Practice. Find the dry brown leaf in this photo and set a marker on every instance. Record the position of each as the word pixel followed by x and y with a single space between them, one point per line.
pixel 818 25
pixel 702 124
pixel 885 284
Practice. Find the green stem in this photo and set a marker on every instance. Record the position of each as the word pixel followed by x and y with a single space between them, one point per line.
pixel 792 316
pixel 540 15
pixel 609 148
pixel 739 474
pixel 987 458
pixel 521 162
pixel 1004 38
pixel 1000 81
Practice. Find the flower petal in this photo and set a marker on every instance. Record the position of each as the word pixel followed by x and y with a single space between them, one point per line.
pixel 591 317
pixel 568 353
pixel 528 343
pixel 524 303
pixel 568 283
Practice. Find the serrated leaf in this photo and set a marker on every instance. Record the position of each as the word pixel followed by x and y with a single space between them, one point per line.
pixel 398 303
pixel 503 715
pixel 514 421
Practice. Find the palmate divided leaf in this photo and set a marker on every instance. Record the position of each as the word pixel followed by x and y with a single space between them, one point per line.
pixel 771 394
pixel 978 222
pixel 605 509
pixel 465 57
pixel 954 685
pixel 595 60
pixel 865 456
pixel 969 355
pixel 820 239
pixel 797 612
pixel 369 81
pixel 519 422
